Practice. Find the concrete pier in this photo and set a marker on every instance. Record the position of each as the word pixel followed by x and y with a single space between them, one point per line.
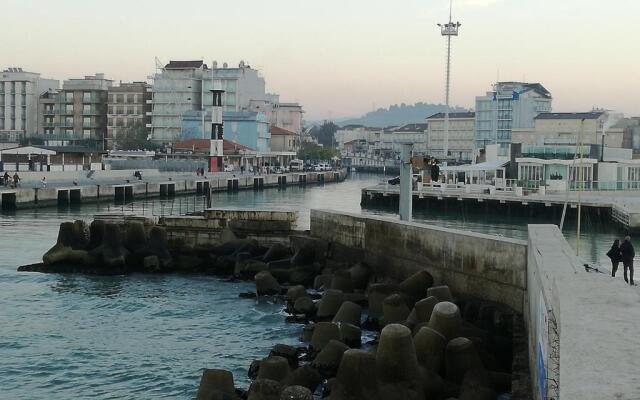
pixel 30 196
pixel 622 206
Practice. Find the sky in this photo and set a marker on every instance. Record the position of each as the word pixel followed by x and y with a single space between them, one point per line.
pixel 343 58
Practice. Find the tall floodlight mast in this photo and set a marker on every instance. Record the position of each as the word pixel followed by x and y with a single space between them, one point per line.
pixel 448 30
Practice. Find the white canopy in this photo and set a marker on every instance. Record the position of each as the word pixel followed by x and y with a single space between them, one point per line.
pixel 28 150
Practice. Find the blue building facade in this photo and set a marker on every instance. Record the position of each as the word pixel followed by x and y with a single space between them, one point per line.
pixel 247 128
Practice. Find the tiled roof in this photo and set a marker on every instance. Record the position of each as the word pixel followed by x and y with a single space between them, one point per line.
pixel 580 115
pixel 205 145
pixel 454 115
pixel 276 130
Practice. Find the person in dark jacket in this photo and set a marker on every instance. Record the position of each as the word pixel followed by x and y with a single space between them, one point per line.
pixel 615 255
pixel 435 171
pixel 628 253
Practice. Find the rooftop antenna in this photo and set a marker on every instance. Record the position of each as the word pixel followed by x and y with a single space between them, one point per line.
pixel 448 30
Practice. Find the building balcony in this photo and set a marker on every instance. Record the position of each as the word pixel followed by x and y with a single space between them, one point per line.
pixel 92 111
pixel 49 112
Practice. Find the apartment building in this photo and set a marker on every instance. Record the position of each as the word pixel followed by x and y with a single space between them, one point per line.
pixel 461 136
pixel 508 106
pixel 184 86
pixel 128 104
pixel 19 93
pixel 288 116
pixel 570 128
pixel 77 114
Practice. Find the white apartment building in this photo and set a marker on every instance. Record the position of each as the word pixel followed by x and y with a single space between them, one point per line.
pixel 565 129
pixel 183 86
pixel 19 93
pixel 416 134
pixel 288 116
pixel 461 136
pixel 508 106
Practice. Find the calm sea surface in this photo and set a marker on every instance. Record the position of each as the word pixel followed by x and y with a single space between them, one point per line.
pixel 148 337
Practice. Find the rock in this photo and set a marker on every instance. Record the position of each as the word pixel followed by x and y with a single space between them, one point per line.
pixel 304 256
pixel 445 319
pixel 307 333
pixel 264 389
pixel 349 313
pixel 376 294
pixel 430 346
pixel 356 378
pixel 329 358
pixel 461 356
pixel 266 284
pixel 295 292
pixel 216 380
pixel 187 263
pixel 322 282
pixel 302 275
pixel 305 376
pixel 276 252
pixel 341 280
pixel 96 233
pixel 360 275
pixel 274 367
pixel 432 383
pixel 304 305
pixel 296 393
pixel 330 303
pixel 417 285
pixel 113 251
pixel 246 268
pixel 442 293
pixel 136 237
pixel 290 353
pixel 323 333
pixel 350 335
pixel 396 359
pixel 395 310
pixel 423 309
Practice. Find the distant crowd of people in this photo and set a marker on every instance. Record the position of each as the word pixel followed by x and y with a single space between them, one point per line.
pixel 622 253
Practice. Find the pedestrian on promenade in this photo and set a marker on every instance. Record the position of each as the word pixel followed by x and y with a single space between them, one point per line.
pixel 615 255
pixel 43 182
pixel 6 178
pixel 16 180
pixel 628 253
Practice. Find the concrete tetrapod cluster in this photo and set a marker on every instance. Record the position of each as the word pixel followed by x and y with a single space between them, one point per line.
pixel 106 249
pixel 426 350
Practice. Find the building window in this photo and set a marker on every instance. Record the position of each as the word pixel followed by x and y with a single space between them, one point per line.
pixel 86 97
pixel 86 133
pixel 120 98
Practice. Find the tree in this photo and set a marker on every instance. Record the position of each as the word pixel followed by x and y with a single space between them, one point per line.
pixel 312 151
pixel 135 137
pixel 325 134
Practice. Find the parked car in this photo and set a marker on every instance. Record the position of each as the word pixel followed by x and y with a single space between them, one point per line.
pixel 228 168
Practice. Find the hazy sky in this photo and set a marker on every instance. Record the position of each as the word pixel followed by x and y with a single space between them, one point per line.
pixel 344 57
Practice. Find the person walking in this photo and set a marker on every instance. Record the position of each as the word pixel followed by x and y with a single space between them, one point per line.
pixel 16 180
pixel 43 182
pixel 435 171
pixel 628 253
pixel 615 255
pixel 6 178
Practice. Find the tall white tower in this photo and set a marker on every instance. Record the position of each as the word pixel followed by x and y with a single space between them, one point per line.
pixel 217 130
pixel 448 30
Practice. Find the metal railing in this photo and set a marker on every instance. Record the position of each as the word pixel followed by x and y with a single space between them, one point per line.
pixel 177 206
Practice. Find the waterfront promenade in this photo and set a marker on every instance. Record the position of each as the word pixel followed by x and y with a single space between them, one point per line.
pixel 121 185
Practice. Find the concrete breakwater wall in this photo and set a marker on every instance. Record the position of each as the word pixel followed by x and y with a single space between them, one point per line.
pixel 475 264
pixel 63 195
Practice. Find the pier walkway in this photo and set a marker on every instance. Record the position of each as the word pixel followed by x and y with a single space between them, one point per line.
pixel 624 206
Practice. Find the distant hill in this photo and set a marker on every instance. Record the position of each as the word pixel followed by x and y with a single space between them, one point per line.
pixel 399 115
